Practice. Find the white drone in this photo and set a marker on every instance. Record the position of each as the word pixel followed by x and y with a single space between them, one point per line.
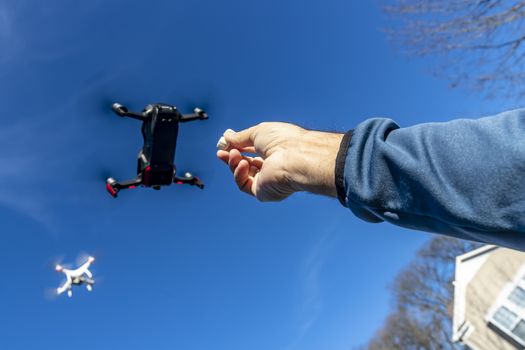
pixel 76 277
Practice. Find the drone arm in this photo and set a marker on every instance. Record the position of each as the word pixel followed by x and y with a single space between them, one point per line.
pixel 198 114
pixel 189 180
pixel 122 111
pixel 189 117
pixel 134 115
pixel 65 286
pixel 85 268
pixel 129 184
pixel 62 289
pixel 113 187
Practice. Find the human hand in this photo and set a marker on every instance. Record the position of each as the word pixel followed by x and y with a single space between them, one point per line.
pixel 288 159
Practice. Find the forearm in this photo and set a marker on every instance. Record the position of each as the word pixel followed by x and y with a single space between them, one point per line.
pixel 463 178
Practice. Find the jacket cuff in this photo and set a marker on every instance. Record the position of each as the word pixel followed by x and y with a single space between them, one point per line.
pixel 340 167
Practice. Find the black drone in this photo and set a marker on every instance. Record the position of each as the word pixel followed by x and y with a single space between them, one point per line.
pixel 155 168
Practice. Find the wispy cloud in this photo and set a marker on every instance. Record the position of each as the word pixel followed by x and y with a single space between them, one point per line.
pixel 312 304
pixel 10 43
pixel 35 142
pixel 5 22
pixel 21 173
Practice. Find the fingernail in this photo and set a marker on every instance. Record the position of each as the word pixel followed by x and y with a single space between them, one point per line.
pixel 222 144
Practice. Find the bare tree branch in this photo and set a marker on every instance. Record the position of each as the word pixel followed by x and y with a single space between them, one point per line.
pixel 481 42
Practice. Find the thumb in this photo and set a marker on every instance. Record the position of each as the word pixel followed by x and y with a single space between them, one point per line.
pixel 241 139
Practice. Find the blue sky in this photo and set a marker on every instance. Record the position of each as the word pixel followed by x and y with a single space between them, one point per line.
pixel 182 268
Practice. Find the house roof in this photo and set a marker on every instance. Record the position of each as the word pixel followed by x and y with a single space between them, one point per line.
pixel 467 265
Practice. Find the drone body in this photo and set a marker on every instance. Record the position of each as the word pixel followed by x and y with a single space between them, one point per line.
pixel 76 277
pixel 160 127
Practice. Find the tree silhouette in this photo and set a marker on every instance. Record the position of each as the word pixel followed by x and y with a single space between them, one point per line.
pixel 421 318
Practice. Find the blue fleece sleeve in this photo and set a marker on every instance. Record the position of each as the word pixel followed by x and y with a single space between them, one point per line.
pixel 463 178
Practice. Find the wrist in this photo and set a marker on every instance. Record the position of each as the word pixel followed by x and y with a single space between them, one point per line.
pixel 313 169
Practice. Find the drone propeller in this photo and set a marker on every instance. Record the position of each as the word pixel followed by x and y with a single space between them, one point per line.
pixel 83 257
pixel 96 106
pixel 56 261
pixel 206 101
pixel 50 293
pixel 51 267
pixel 102 174
pixel 93 172
pixel 104 106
